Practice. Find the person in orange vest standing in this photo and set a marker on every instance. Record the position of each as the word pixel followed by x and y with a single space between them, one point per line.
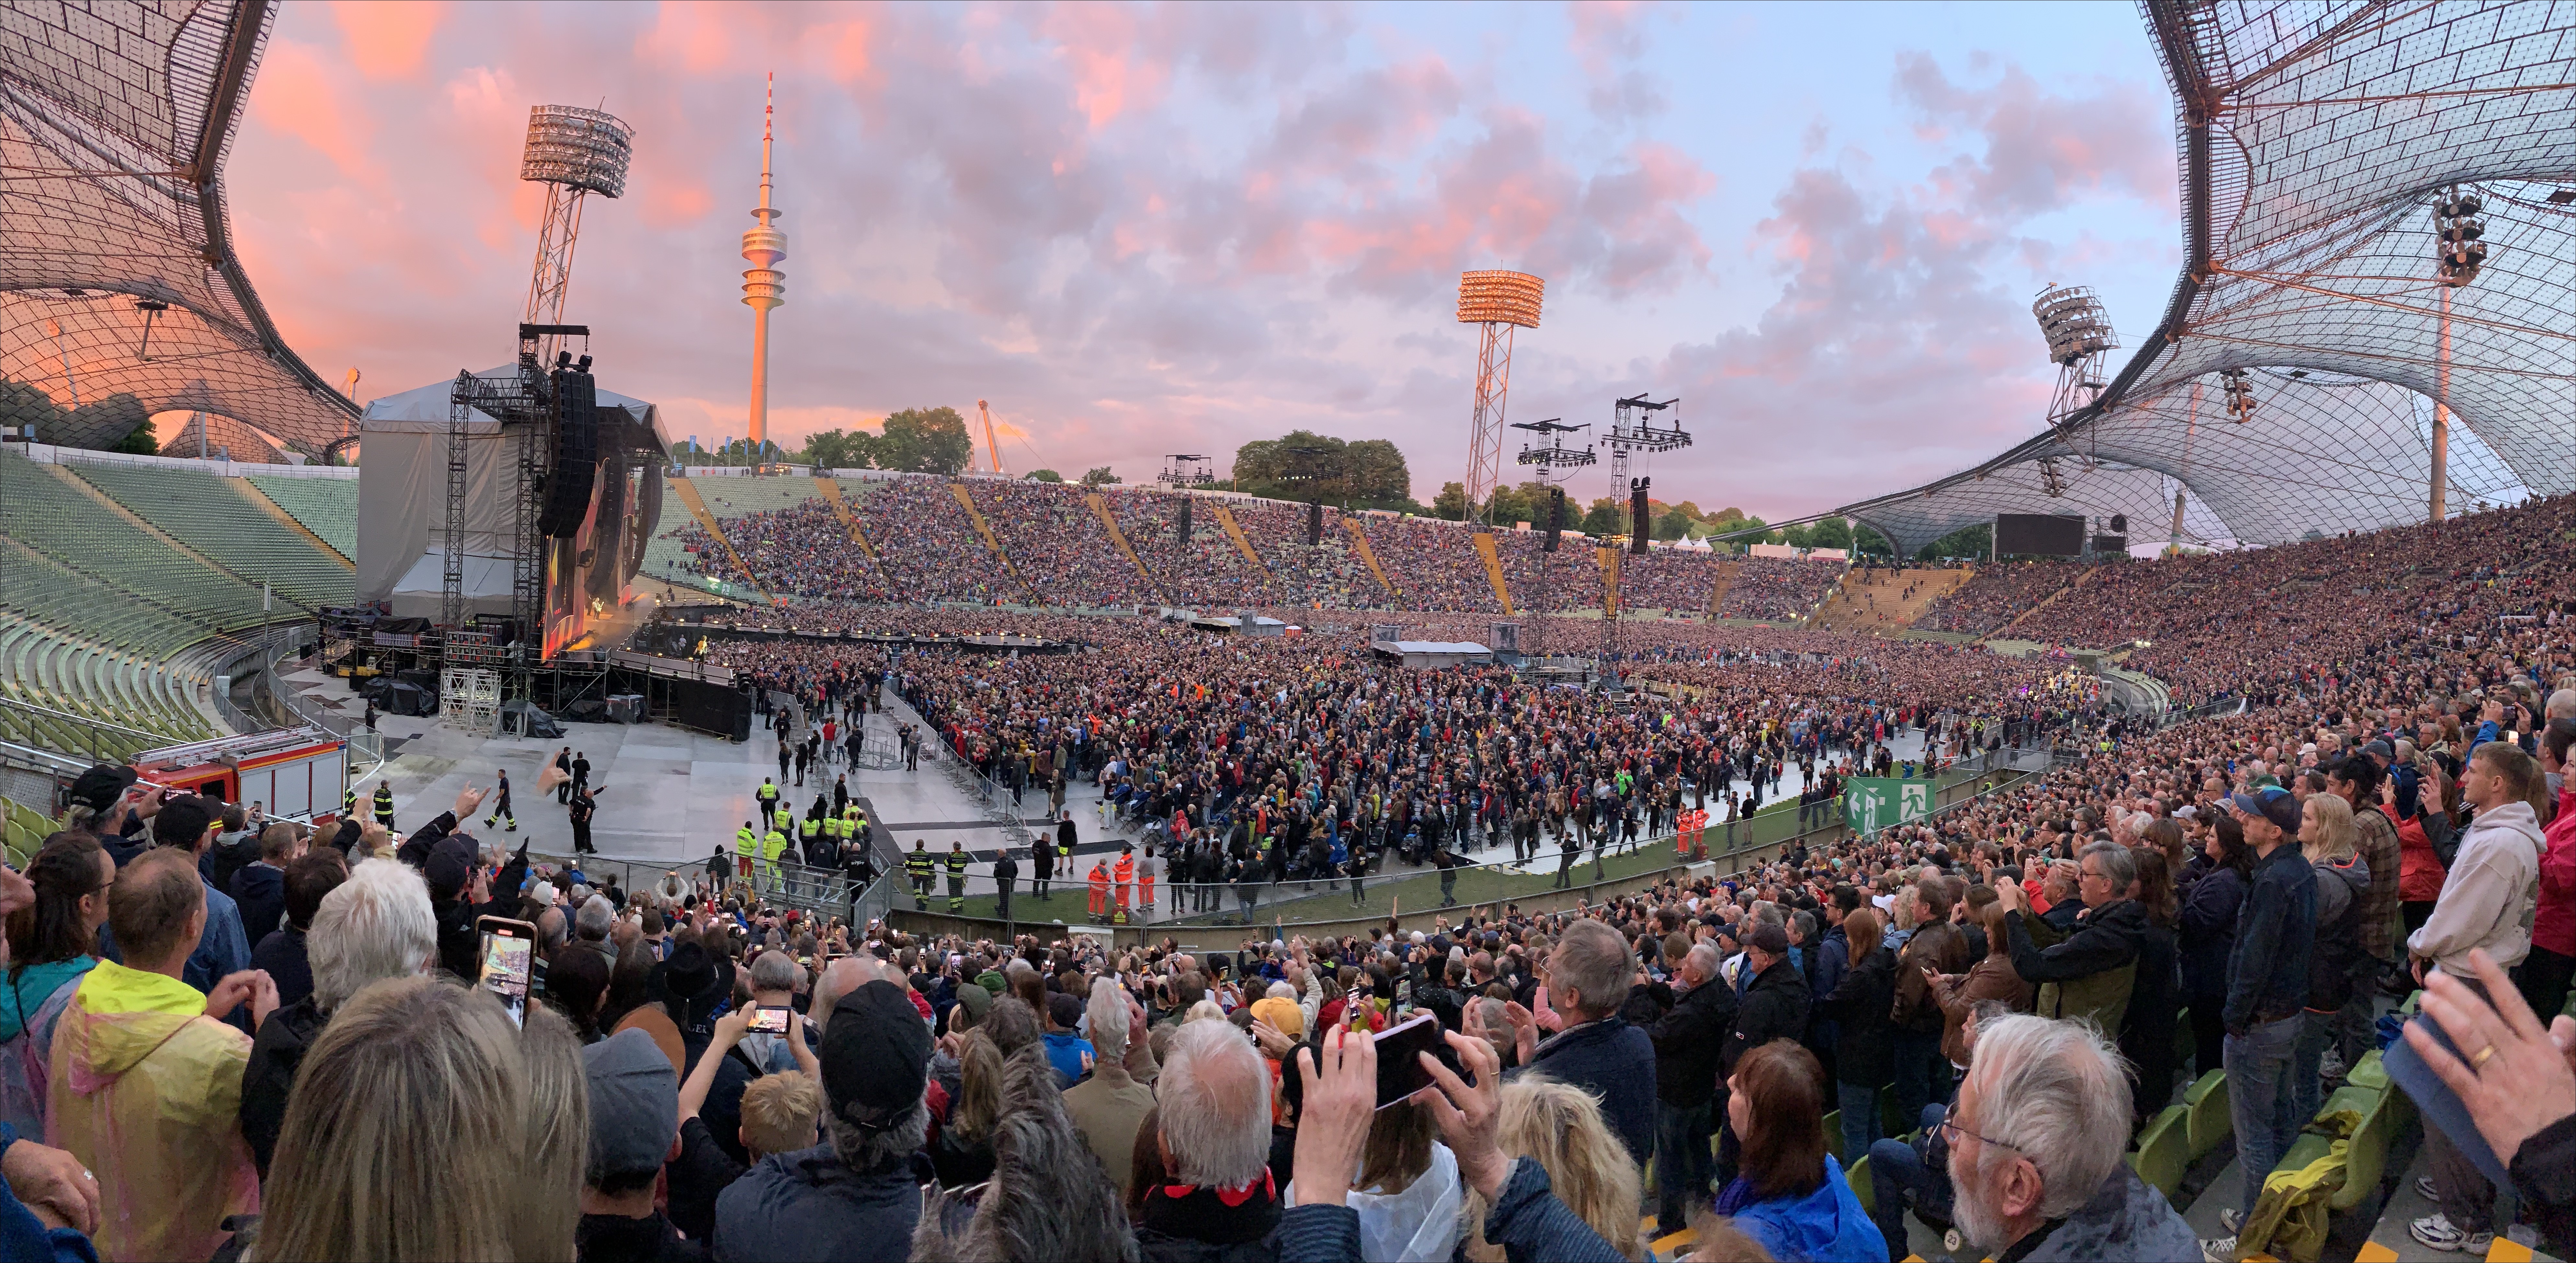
pixel 1099 889
pixel 1124 878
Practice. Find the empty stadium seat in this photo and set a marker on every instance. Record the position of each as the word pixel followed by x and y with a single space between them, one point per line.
pixel 2164 1151
pixel 2208 1123
pixel 206 513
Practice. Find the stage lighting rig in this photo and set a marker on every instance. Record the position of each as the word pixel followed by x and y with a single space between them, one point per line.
pixel 2239 388
pixel 2458 252
pixel 1633 429
pixel 1186 470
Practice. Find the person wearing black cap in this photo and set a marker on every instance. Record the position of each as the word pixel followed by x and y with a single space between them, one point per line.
pixel 858 1194
pixel 634 1129
pixel 2267 984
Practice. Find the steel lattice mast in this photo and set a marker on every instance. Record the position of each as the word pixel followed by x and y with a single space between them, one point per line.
pixel 573 152
pixel 1499 302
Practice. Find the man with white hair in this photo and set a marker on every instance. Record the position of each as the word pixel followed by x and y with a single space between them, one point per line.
pixel 1214 1107
pixel 373 926
pixel 1108 1107
pixel 1588 974
pixel 2035 1148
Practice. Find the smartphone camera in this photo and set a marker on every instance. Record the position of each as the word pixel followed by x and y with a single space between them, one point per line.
pixel 508 950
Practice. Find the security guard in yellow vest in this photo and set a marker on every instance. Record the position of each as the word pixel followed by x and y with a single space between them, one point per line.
pixel 807 830
pixel 771 847
pixel 385 803
pixel 767 796
pixel 916 865
pixel 956 860
pixel 746 847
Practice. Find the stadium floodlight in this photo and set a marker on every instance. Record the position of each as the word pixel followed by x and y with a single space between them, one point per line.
pixel 1499 302
pixel 573 152
pixel 2078 330
pixel 2240 394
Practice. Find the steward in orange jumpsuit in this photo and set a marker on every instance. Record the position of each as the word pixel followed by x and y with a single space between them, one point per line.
pixel 1099 889
pixel 1124 875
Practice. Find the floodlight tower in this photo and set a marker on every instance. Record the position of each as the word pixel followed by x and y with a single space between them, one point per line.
pixel 764 287
pixel 1499 302
pixel 2457 256
pixel 2079 339
pixel 573 152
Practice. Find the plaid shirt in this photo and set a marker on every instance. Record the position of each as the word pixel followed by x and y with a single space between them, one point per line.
pixel 2379 850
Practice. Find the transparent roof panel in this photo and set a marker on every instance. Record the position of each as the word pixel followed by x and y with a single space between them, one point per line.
pixel 120 292
pixel 2316 142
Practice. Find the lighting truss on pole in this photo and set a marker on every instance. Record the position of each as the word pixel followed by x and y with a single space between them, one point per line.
pixel 572 152
pixel 2458 254
pixel 1632 429
pixel 2079 337
pixel 1500 303
pixel 1554 463
pixel 1186 470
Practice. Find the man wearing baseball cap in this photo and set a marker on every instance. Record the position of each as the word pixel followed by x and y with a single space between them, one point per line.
pixel 857 1195
pixel 2267 986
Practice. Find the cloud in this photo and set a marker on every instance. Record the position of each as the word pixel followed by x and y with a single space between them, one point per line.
pixel 1147 229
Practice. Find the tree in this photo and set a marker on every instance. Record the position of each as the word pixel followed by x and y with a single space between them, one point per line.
pixel 1043 475
pixel 924 441
pixel 1304 465
pixel 836 449
pixel 1099 476
pixel 1451 503
pixel 1674 524
pixel 1605 516
pixel 1866 540
pixel 1967 541
pixel 138 441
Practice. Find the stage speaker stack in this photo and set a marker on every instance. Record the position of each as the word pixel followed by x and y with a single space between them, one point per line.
pixel 1314 523
pixel 1555 516
pixel 1641 527
pixel 1182 537
pixel 576 464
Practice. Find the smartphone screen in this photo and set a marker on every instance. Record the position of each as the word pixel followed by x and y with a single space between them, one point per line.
pixel 770 1021
pixel 508 948
pixel 1399 1072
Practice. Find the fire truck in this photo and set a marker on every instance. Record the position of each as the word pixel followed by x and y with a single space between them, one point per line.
pixel 292 773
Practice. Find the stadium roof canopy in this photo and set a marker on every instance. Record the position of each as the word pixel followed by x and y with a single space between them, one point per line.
pixel 2315 139
pixel 120 293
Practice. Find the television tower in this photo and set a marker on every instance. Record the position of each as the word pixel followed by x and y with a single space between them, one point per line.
pixel 763 286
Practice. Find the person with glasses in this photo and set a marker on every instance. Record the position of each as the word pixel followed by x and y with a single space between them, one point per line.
pixel 2035 1145
pixel 2087 973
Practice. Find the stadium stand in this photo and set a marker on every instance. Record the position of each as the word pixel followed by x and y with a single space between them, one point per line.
pixel 215 518
pixel 328 507
pixel 49 509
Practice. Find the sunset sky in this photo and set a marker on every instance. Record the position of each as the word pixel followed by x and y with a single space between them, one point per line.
pixel 1142 230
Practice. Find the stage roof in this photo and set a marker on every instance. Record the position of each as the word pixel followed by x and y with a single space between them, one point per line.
pixel 121 295
pixel 2315 140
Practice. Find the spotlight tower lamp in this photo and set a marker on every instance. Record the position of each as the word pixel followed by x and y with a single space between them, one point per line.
pixel 1498 303
pixel 572 152
pixel 2079 340
pixel 2457 256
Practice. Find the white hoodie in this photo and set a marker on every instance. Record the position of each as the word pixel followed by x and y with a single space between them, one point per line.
pixel 1418 1225
pixel 2487 898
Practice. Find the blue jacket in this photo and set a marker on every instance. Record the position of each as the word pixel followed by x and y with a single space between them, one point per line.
pixel 1825 1226
pixel 1064 1051
pixel 221 951
pixel 23 1237
pixel 806 1205
pixel 1611 1060
pixel 261 893
pixel 2267 969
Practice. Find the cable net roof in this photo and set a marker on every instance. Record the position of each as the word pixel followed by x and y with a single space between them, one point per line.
pixel 2316 140
pixel 120 293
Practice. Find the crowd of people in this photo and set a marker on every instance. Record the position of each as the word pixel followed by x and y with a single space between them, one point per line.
pixel 1777 589
pixel 1995 595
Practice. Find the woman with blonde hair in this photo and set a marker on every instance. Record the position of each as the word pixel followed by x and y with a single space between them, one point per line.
pixel 963 1154
pixel 2330 840
pixel 407 1136
pixel 1588 1168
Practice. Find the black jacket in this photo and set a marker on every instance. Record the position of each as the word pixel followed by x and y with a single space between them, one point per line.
pixel 2106 940
pixel 1774 1007
pixel 1688 1038
pixel 274 1055
pixel 1860 1006
pixel 261 892
pixel 602 1238
pixel 2544 1176
pixel 2207 932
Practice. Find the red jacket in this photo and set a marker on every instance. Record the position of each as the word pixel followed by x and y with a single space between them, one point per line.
pixel 2419 870
pixel 2553 922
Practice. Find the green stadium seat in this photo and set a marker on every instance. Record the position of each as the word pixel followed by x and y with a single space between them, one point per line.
pixel 208 514
pixel 2365 1158
pixel 2164 1151
pixel 1858 1178
pixel 1833 1134
pixel 2205 1103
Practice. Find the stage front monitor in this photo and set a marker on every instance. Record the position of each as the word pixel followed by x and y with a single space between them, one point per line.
pixel 2038 534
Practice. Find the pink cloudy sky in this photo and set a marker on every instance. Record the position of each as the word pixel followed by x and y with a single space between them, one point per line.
pixel 1141 230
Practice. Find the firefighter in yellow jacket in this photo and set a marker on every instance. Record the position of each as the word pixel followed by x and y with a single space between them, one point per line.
pixel 956 864
pixel 917 866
